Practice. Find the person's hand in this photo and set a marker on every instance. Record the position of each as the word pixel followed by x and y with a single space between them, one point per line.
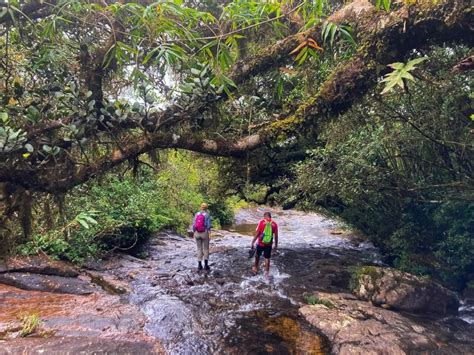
pixel 252 246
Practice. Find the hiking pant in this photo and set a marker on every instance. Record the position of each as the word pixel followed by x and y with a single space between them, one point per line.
pixel 202 242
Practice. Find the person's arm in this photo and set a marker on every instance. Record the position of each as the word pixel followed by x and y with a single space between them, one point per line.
pixel 276 237
pixel 194 222
pixel 257 232
pixel 208 222
pixel 254 239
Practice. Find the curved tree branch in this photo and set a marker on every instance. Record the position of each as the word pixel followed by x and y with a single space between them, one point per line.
pixel 385 38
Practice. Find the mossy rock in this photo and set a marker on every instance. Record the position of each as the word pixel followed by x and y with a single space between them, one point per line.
pixel 391 288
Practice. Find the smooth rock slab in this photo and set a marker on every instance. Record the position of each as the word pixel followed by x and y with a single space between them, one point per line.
pixel 394 289
pixel 48 283
pixel 65 315
pixel 38 264
pixel 77 345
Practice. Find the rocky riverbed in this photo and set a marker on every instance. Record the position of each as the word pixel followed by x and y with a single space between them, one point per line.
pixel 159 303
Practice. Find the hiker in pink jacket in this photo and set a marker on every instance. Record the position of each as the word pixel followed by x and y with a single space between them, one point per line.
pixel 202 225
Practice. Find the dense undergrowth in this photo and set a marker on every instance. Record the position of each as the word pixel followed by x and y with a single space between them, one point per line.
pixel 119 212
pixel 399 168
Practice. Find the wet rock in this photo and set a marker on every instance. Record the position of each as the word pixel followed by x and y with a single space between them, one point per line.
pixel 8 328
pixel 94 265
pixel 468 293
pixel 109 283
pixel 78 345
pixel 391 288
pixel 220 249
pixel 49 283
pixel 95 315
pixel 356 327
pixel 38 264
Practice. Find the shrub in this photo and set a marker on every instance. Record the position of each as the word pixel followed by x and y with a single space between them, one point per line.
pixel 312 300
pixel 398 168
pixel 120 212
pixel 30 322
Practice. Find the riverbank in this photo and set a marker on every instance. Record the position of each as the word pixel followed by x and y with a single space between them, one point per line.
pixel 161 304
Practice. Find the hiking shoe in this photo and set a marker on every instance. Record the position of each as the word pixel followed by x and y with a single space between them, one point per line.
pixel 206 267
pixel 199 266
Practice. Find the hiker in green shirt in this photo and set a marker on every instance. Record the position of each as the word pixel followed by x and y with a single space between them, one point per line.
pixel 266 233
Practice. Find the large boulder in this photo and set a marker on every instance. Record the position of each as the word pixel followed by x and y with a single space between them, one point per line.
pixel 394 289
pixel 357 327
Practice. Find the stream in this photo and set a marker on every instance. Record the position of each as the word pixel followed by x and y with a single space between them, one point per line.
pixel 231 310
pixel 159 302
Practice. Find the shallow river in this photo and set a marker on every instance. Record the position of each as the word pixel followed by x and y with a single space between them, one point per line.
pixel 231 310
pixel 228 310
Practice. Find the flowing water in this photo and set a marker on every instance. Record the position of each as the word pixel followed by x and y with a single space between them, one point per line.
pixel 231 310
pixel 228 310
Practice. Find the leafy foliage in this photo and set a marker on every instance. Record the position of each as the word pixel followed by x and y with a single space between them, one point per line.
pixel 332 32
pixel 120 213
pixel 83 83
pixel 306 48
pixel 312 300
pixel 385 4
pixel 30 322
pixel 103 72
pixel 400 74
pixel 400 169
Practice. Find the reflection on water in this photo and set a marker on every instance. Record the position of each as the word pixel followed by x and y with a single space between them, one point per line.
pixel 245 228
pixel 261 332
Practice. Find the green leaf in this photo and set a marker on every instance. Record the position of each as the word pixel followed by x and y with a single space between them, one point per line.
pixel 109 55
pixel 152 53
pixel 347 35
pixel 407 75
pixel 333 34
pixel 4 117
pixel 300 58
pixel 411 64
pixel 32 113
pixel 397 65
pixel 90 219
pixel 401 72
pixel 82 223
